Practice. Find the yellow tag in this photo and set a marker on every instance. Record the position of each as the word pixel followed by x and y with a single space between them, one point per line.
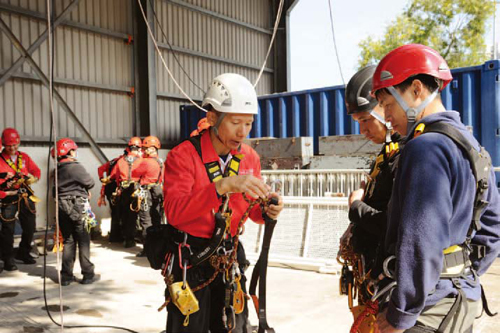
pixel 419 130
pixel 452 249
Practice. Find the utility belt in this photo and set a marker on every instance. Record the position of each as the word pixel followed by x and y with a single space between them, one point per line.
pixel 222 263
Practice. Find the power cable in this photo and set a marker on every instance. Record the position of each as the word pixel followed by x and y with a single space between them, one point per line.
pixel 163 60
pixel 172 49
pixel 275 29
pixel 53 134
pixel 280 9
pixel 334 42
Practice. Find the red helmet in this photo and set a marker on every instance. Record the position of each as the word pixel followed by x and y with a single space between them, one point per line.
pixel 408 60
pixel 10 137
pixel 64 146
pixel 151 141
pixel 0 143
pixel 135 141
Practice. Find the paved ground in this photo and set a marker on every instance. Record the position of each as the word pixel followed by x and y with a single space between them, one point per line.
pixel 129 292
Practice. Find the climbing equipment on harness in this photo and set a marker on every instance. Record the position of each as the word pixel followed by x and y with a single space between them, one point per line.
pixel 180 292
pixel 89 218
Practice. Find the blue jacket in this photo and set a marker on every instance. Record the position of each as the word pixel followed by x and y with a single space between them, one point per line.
pixel 430 210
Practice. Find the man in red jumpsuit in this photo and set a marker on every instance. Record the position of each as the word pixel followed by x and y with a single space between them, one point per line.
pixel 201 174
pixel 18 205
pixel 152 183
pixel 127 174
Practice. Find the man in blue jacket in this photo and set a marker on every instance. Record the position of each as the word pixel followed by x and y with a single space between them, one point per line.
pixel 431 211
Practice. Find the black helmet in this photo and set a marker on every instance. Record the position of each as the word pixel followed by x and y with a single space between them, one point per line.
pixel 357 92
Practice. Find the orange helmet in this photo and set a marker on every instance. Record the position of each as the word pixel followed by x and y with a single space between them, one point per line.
pixel 151 141
pixel 135 141
pixel 203 124
pixel 10 137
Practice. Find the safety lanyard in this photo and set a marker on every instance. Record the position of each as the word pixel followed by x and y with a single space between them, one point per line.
pixel 13 165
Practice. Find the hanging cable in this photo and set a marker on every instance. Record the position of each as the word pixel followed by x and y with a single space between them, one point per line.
pixel 53 134
pixel 276 24
pixel 278 15
pixel 172 49
pixel 334 42
pixel 163 60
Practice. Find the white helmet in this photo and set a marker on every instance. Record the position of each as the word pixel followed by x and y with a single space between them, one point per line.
pixel 232 93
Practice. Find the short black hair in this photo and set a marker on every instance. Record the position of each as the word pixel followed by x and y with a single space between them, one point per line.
pixel 430 82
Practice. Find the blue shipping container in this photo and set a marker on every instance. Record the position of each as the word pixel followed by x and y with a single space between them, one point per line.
pixel 474 92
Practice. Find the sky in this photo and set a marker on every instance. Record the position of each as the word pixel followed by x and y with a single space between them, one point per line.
pixel 313 60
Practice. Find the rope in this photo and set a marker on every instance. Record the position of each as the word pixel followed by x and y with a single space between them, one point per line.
pixel 150 32
pixel 370 310
pixel 276 23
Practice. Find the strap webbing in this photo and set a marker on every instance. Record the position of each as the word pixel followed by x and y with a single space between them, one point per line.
pixel 259 275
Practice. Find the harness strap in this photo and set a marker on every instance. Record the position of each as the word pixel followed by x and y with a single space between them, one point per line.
pixel 259 275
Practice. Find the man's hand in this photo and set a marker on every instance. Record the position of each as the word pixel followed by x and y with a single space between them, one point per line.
pixel 383 325
pixel 9 193
pixel 273 211
pixel 248 184
pixel 31 180
pixel 101 201
pixel 356 195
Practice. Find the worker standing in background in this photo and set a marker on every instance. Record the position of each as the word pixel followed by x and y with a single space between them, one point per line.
pixel 127 175
pixel 18 205
pixel 152 183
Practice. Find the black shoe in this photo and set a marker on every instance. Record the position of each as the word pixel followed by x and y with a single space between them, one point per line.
pixel 67 282
pixel 27 259
pixel 10 267
pixel 88 280
pixel 141 254
pixel 128 244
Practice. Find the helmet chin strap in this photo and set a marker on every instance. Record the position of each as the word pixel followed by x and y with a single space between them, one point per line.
pixel 412 113
pixel 387 125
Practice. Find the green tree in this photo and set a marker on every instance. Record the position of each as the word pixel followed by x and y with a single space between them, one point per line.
pixel 455 28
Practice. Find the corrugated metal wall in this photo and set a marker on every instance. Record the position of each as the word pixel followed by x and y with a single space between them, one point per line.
pixel 210 37
pixel 93 69
pixel 94 66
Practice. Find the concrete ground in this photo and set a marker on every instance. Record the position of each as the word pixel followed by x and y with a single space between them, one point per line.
pixel 129 293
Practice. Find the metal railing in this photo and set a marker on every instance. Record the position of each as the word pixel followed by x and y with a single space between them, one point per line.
pixel 307 234
pixel 316 183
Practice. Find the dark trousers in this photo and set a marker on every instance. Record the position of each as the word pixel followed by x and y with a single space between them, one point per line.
pixel 154 215
pixel 115 233
pixel 128 217
pixel 75 234
pixel 28 223
pixel 211 301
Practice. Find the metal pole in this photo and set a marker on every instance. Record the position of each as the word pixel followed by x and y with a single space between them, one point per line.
pixel 19 62
pixel 95 148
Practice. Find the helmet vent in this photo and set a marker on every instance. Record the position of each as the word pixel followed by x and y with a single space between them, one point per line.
pixel 386 75
pixel 362 101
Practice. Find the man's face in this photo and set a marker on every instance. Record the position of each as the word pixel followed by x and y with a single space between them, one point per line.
pixel 370 127
pixel 394 113
pixel 234 129
pixel 11 149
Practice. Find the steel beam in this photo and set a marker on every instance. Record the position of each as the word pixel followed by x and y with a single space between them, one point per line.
pixel 73 83
pixel 211 57
pixel 17 44
pixel 145 79
pixel 166 95
pixel 219 16
pixel 20 61
pixel 81 26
